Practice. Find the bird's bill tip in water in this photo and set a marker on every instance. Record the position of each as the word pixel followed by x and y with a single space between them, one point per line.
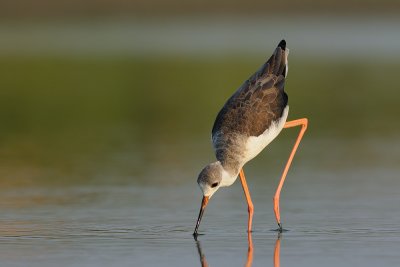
pixel 204 203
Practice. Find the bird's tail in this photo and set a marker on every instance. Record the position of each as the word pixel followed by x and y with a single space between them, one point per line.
pixel 277 64
pixel 284 53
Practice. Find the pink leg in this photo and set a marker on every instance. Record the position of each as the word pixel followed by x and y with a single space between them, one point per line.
pixel 303 123
pixel 248 199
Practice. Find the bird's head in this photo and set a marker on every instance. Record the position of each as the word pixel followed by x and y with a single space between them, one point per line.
pixel 209 180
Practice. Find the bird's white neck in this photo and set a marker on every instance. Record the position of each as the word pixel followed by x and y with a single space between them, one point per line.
pixel 228 178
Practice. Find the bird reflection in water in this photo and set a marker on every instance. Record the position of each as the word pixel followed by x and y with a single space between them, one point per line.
pixel 201 254
pixel 250 252
pixel 277 251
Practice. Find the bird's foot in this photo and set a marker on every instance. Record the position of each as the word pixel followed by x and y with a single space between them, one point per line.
pixel 195 235
pixel 280 228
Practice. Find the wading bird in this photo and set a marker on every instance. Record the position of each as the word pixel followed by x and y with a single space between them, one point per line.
pixel 251 118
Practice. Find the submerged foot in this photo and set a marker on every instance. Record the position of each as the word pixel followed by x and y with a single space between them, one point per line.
pixel 280 229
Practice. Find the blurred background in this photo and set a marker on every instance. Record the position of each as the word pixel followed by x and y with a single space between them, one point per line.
pixel 106 109
pixel 110 87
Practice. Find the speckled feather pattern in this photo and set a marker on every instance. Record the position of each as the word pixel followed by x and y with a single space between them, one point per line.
pixel 250 111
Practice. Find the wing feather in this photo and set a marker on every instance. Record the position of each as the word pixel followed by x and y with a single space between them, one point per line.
pixel 258 102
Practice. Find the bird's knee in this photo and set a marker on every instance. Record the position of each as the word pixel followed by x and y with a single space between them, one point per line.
pixel 250 209
pixel 305 124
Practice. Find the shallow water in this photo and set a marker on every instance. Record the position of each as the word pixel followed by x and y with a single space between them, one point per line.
pixel 339 211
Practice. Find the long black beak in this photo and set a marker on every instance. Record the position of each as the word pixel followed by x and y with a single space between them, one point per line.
pixel 204 203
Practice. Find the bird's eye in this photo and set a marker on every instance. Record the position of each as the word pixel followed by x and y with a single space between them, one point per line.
pixel 214 185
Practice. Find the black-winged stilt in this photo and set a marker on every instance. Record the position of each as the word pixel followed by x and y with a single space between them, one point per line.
pixel 251 118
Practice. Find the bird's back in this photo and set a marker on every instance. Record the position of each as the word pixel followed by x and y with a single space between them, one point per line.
pixel 258 105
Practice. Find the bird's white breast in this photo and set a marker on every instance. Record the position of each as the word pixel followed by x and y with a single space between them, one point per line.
pixel 255 144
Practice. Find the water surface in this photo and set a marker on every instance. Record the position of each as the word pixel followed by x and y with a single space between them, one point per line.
pixel 339 212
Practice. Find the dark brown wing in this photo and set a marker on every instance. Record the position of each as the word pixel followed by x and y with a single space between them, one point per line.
pixel 258 102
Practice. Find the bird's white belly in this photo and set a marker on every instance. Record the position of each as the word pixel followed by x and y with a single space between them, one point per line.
pixel 255 144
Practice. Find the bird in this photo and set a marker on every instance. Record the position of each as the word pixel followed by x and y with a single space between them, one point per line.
pixel 250 119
